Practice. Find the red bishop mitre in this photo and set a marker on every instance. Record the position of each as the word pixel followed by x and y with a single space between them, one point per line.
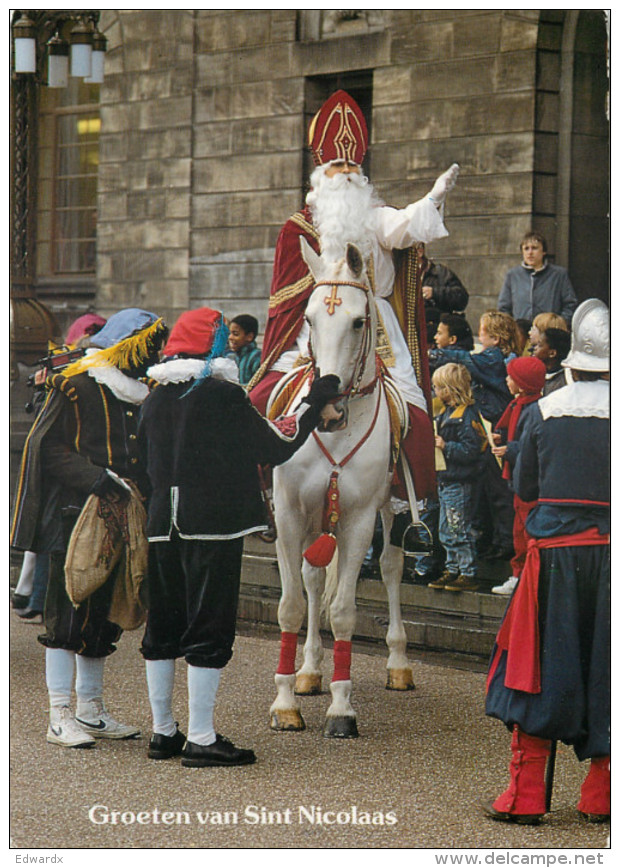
pixel 338 131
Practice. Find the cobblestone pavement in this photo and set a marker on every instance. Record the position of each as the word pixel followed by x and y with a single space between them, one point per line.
pixel 415 778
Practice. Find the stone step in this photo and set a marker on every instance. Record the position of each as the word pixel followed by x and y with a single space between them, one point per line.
pixel 438 621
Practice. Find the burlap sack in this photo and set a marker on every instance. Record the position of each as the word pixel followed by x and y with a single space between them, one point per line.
pixel 107 536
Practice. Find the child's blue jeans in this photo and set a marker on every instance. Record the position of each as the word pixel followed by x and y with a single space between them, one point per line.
pixel 455 527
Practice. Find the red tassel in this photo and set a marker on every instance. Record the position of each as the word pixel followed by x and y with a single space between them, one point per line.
pixel 320 553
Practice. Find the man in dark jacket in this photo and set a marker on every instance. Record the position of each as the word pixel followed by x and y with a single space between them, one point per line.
pixel 84 441
pixel 202 441
pixel 443 293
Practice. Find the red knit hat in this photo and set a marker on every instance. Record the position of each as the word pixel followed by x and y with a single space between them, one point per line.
pixel 194 332
pixel 528 372
pixel 338 131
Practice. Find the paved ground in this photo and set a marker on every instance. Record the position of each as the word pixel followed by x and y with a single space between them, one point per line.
pixel 422 765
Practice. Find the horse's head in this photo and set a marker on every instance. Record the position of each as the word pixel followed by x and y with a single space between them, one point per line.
pixel 342 317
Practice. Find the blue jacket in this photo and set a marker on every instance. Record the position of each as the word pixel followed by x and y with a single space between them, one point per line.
pixel 526 293
pixel 488 374
pixel 465 440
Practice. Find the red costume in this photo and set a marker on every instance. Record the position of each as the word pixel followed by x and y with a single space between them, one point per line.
pixel 338 132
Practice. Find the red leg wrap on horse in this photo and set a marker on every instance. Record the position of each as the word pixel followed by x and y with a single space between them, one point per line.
pixel 526 793
pixel 342 660
pixel 288 649
pixel 596 789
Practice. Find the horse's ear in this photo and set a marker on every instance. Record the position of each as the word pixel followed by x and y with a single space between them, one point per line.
pixel 312 259
pixel 354 259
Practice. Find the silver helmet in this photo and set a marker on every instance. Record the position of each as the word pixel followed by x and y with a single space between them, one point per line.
pixel 590 338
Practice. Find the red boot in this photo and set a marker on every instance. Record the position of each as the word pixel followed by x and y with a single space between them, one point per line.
pixel 595 801
pixel 524 800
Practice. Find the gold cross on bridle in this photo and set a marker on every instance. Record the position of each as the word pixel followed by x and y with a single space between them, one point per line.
pixel 332 300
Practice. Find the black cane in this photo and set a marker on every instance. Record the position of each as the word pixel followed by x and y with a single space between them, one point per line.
pixel 549 775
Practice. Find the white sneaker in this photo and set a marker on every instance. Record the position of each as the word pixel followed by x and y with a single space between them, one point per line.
pixel 63 729
pixel 507 588
pixel 93 718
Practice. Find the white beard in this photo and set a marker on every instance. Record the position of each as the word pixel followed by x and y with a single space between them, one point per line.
pixel 342 209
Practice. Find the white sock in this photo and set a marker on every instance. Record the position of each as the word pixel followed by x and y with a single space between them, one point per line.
pixel 444 184
pixel 160 681
pixel 59 668
pixel 89 681
pixel 202 684
pixel 26 576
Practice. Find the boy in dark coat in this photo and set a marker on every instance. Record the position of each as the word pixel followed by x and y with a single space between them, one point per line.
pixel 202 441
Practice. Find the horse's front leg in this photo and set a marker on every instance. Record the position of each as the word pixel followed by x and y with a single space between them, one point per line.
pixel 399 674
pixel 285 712
pixel 309 676
pixel 354 538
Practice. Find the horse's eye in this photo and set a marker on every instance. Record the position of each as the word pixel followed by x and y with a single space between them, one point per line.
pixel 358 323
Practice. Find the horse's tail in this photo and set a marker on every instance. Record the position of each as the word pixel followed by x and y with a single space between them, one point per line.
pixel 331 583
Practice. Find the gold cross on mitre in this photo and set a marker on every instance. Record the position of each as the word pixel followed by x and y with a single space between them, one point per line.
pixel 332 300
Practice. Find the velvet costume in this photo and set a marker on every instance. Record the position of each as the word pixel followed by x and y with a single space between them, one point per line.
pixel 550 670
pixel 201 446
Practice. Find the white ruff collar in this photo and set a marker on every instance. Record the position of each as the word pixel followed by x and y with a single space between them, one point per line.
pixel 122 387
pixel 183 370
pixel 581 399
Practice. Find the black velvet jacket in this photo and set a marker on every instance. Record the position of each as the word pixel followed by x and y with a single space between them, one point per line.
pixel 201 447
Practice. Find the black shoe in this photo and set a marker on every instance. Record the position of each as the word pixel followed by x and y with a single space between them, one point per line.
pixel 505 817
pixel 221 753
pixel 28 614
pixel 166 746
pixel 19 601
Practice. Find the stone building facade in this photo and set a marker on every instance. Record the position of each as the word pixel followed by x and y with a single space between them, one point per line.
pixel 203 131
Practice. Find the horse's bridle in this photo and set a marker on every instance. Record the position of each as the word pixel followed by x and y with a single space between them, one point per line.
pixel 352 389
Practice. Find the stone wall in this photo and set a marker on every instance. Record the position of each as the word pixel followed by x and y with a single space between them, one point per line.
pixel 203 134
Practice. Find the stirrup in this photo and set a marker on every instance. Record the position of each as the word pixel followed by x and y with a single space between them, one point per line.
pixel 413 544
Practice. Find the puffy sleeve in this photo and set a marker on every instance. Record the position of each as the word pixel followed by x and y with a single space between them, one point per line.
pixel 398 228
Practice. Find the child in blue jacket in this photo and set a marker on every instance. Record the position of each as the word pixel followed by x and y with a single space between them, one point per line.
pixel 460 436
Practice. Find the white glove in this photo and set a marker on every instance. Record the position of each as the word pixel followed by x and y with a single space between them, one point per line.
pixel 443 185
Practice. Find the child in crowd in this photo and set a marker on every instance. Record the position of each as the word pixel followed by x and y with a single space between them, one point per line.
pixel 493 513
pixel 453 332
pixel 460 436
pixel 541 323
pixel 525 379
pixel 242 341
pixel 552 348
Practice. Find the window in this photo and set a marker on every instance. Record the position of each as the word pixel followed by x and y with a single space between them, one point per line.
pixel 68 168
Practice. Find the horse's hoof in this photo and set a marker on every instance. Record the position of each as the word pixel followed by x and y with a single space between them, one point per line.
pixel 308 684
pixel 287 720
pixel 340 727
pixel 400 679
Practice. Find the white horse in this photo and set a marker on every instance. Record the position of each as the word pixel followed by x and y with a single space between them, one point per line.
pixel 354 464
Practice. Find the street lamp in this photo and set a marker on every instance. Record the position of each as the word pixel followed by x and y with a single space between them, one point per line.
pixel 41 57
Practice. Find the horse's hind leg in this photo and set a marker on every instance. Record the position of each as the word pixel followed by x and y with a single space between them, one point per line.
pixel 399 674
pixel 308 680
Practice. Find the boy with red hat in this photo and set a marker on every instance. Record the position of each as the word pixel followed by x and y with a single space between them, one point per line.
pixel 202 441
pixel 343 207
pixel 525 380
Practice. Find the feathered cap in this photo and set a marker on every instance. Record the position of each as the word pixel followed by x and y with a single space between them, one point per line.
pixel 338 131
pixel 127 340
pixel 194 333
